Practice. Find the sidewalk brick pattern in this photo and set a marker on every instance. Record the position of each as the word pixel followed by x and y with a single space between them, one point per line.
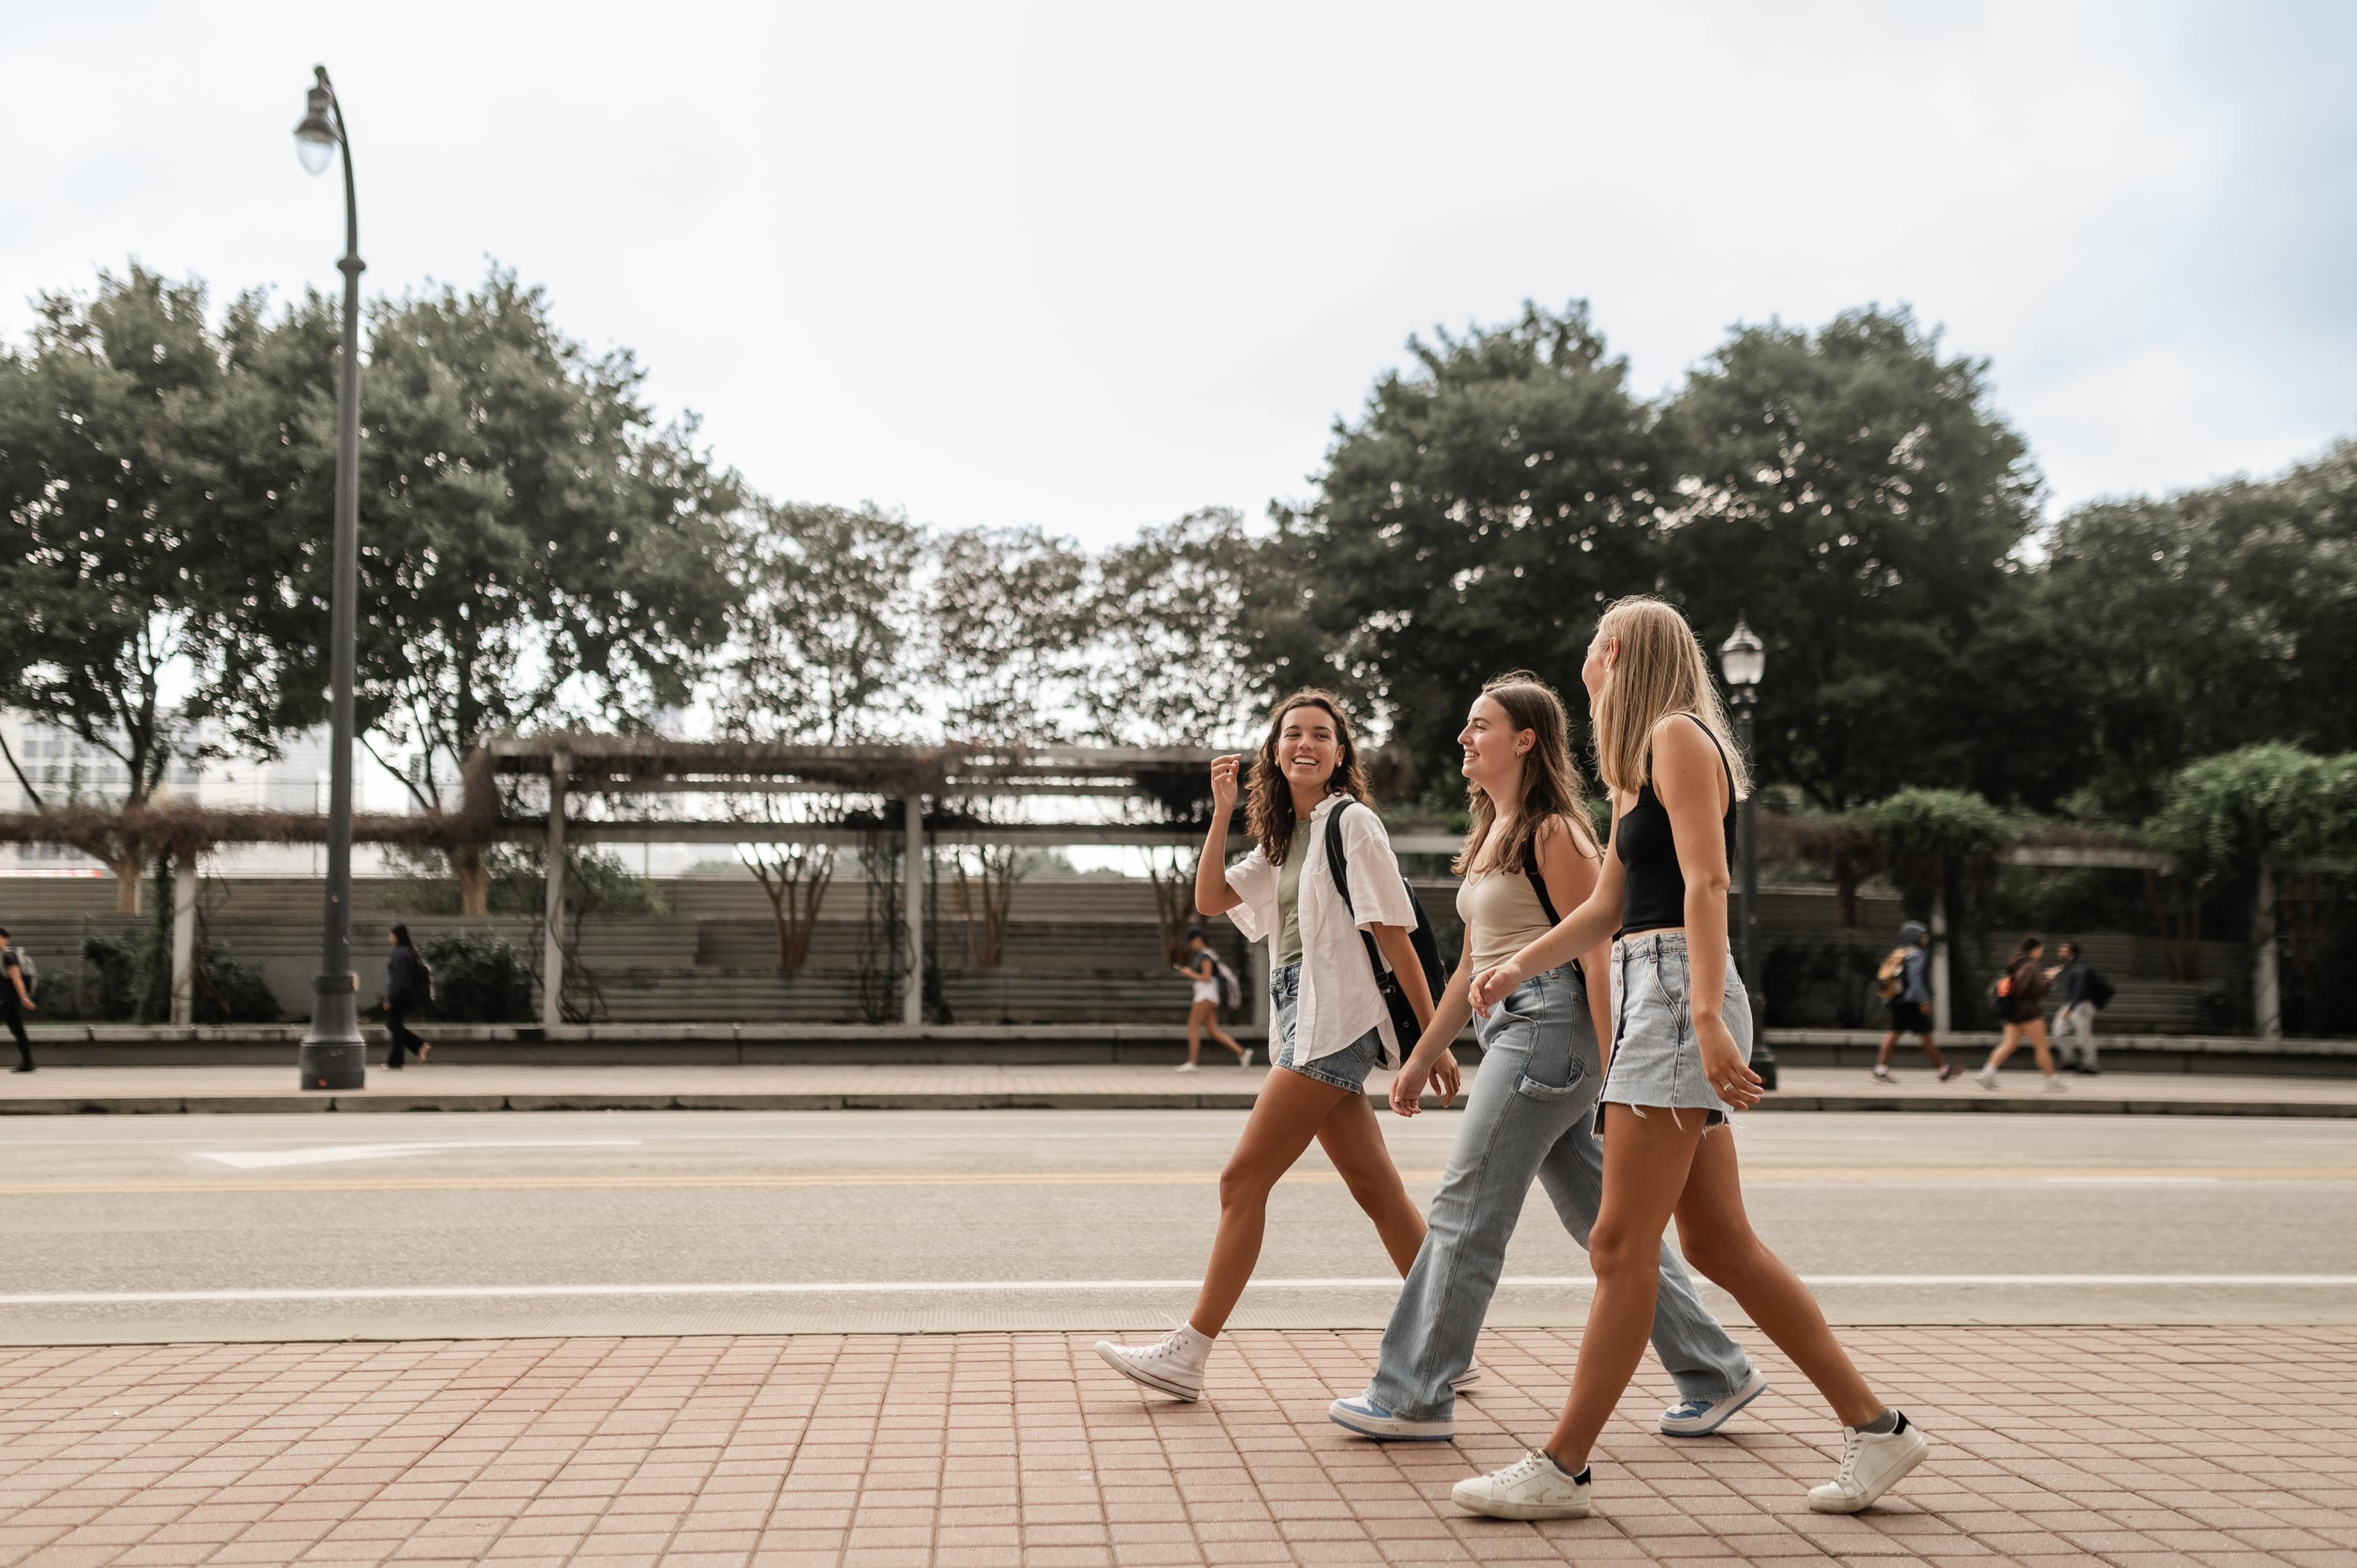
pixel 2137 1448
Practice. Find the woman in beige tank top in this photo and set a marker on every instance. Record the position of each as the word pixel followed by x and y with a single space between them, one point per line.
pixel 1529 1111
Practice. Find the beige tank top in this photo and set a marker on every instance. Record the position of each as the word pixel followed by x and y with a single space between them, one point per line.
pixel 1501 916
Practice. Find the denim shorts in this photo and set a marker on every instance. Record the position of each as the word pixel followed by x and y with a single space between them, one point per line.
pixel 1345 1069
pixel 1656 1060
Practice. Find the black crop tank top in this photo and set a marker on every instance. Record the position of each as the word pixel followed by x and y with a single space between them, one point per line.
pixel 1653 896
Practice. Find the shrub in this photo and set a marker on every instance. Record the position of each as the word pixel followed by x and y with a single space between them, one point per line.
pixel 478 979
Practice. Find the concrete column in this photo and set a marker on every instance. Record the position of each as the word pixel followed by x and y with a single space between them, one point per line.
pixel 552 955
pixel 184 939
pixel 2266 962
pixel 1944 1011
pixel 912 908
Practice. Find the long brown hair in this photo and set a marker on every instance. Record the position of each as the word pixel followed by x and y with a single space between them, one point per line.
pixel 1659 671
pixel 1551 783
pixel 1268 799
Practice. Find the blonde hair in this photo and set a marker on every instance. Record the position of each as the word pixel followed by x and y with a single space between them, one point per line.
pixel 1659 670
pixel 1551 782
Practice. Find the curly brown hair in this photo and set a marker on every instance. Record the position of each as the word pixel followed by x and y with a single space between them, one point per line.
pixel 1269 801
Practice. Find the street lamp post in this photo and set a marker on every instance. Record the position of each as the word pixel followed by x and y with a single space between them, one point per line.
pixel 1743 660
pixel 332 1055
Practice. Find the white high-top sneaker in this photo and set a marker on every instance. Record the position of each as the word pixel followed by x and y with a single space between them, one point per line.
pixel 1172 1365
pixel 1872 1463
pixel 1534 1487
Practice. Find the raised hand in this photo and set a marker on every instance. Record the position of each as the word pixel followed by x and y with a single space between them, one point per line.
pixel 1223 785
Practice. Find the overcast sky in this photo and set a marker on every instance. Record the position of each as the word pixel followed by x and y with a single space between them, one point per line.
pixel 1093 266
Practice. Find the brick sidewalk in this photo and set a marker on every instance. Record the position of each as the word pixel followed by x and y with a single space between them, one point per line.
pixel 2138 1448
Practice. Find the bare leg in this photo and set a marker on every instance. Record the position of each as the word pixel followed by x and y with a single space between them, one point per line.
pixel 1195 1031
pixel 1931 1050
pixel 2039 1044
pixel 1646 1163
pixel 1716 1237
pixel 2005 1045
pixel 1291 1109
pixel 1212 1022
pixel 1353 1139
pixel 1882 1056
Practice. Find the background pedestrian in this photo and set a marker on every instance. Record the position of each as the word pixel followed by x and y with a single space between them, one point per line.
pixel 1906 973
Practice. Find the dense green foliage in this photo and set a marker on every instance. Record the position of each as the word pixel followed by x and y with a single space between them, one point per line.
pixel 477 979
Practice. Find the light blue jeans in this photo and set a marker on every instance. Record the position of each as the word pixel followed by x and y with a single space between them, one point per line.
pixel 1530 1113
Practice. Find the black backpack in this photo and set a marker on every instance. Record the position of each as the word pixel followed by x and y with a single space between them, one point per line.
pixel 1420 937
pixel 2096 989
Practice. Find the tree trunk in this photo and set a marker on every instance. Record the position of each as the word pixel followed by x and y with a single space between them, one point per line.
pixel 2266 972
pixel 474 881
pixel 129 872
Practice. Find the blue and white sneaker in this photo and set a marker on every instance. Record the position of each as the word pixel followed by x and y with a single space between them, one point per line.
pixel 1700 1418
pixel 1367 1419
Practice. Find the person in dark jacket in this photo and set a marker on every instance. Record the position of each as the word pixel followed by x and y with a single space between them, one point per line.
pixel 2021 1006
pixel 14 1001
pixel 2074 1018
pixel 404 989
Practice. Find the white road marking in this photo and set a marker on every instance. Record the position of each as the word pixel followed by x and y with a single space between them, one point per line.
pixel 2133 1180
pixel 340 1154
pixel 1074 1287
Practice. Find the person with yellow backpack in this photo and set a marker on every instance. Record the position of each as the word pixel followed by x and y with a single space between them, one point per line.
pixel 1904 983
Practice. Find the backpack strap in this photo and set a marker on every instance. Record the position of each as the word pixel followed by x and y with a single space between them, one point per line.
pixel 1337 861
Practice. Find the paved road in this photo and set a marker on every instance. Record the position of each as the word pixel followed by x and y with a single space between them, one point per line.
pixel 307 1226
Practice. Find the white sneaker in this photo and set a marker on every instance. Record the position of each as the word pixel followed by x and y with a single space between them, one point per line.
pixel 1872 1463
pixel 2058 1085
pixel 1882 1075
pixel 1466 1379
pixel 1246 1060
pixel 1700 1418
pixel 1985 1078
pixel 1532 1487
pixel 1173 1364
pixel 1184 1067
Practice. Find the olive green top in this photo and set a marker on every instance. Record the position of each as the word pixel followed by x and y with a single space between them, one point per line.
pixel 1288 896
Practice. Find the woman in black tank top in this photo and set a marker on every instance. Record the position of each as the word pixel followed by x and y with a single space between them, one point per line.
pixel 1680 1064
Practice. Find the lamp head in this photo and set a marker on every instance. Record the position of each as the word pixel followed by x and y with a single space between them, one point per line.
pixel 316 138
pixel 1742 659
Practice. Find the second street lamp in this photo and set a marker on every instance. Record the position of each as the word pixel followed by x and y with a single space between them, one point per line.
pixel 1743 660
pixel 332 1055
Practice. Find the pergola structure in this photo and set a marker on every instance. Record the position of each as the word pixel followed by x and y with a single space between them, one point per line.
pixel 1162 796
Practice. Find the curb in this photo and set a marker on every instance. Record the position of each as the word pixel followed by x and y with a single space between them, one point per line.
pixel 2040 1103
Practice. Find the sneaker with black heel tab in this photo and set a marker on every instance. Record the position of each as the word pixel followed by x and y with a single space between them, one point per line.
pixel 1872 1464
pixel 1534 1487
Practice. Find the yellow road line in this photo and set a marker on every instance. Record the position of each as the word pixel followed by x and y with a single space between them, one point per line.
pixel 198 1186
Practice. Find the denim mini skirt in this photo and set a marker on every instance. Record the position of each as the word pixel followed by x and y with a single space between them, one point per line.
pixel 1656 1060
pixel 1346 1068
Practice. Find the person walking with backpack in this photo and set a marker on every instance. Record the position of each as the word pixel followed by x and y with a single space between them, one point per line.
pixel 1322 888
pixel 408 984
pixel 17 981
pixel 2085 992
pixel 1529 853
pixel 1904 983
pixel 1680 1068
pixel 2021 1007
pixel 1203 967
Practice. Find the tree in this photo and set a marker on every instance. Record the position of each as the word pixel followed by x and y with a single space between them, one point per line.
pixel 827 601
pixel 133 557
pixel 2214 620
pixel 533 546
pixel 1854 495
pixel 1485 505
pixel 1168 661
pixel 1008 660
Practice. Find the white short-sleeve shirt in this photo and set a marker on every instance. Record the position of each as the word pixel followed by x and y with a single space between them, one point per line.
pixel 1339 1002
